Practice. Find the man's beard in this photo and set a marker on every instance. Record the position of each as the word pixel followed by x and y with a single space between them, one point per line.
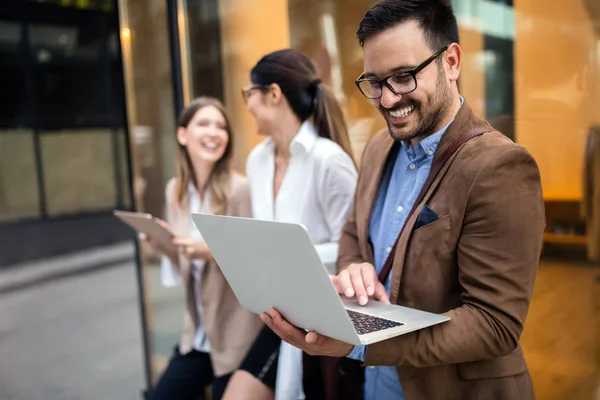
pixel 428 117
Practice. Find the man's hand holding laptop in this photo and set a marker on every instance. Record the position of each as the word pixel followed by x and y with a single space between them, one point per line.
pixel 357 280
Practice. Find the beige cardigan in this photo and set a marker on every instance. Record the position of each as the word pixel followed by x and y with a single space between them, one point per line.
pixel 230 329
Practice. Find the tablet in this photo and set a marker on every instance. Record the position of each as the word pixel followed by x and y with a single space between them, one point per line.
pixel 146 223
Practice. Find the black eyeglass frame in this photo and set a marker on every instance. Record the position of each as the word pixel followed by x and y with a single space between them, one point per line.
pixel 384 81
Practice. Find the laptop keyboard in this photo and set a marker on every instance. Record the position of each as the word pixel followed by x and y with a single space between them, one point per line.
pixel 364 323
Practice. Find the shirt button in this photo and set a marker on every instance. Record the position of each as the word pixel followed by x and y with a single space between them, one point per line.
pixel 400 209
pixel 412 166
pixel 388 250
pixel 430 152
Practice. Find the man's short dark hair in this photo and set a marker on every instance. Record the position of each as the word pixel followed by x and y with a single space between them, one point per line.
pixel 435 17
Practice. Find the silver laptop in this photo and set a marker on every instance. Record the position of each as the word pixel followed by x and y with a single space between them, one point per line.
pixel 275 265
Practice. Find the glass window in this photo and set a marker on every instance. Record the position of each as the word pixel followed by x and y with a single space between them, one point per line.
pixel 19 195
pixel 61 73
pixel 145 45
pixel 532 71
pixel 79 171
pixel 13 101
pixel 556 98
pixel 68 48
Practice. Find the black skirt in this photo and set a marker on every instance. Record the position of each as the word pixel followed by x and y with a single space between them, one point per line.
pixel 261 360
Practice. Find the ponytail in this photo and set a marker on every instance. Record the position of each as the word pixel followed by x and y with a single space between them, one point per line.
pixel 296 75
pixel 328 118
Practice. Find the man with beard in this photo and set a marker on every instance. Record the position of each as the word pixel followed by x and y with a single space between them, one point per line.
pixel 448 218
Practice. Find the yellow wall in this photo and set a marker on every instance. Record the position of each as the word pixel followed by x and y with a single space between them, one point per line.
pixel 553 95
pixel 249 30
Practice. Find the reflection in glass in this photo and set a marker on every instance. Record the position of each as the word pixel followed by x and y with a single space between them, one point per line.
pixel 79 171
pixel 19 197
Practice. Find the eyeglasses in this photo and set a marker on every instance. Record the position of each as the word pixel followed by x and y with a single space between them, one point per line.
pixel 246 91
pixel 399 83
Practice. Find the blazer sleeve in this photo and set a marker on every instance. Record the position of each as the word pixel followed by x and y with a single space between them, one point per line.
pixel 497 256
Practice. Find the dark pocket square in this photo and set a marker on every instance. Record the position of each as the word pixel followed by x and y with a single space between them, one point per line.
pixel 426 216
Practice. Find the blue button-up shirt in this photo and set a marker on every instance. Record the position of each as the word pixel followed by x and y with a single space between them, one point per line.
pixel 402 181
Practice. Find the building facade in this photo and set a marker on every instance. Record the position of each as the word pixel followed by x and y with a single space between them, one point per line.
pixel 64 150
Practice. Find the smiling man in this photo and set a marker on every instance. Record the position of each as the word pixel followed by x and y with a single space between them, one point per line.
pixel 447 218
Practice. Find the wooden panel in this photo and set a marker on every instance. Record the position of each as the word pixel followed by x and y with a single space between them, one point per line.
pixel 566 239
pixel 561 338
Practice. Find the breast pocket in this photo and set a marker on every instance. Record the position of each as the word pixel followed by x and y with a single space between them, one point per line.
pixel 430 255
pixel 432 230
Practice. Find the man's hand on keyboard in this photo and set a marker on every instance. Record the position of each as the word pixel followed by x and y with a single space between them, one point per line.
pixel 312 343
pixel 360 280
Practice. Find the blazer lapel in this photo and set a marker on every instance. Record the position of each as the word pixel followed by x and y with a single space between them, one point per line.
pixel 399 259
pixel 370 197
pixel 464 121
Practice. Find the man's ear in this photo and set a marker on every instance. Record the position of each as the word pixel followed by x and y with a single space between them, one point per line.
pixel 452 58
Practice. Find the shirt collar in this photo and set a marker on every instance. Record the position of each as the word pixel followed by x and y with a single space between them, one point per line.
pixel 303 141
pixel 430 143
pixel 305 138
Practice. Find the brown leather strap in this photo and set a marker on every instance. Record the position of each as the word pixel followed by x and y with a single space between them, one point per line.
pixel 437 165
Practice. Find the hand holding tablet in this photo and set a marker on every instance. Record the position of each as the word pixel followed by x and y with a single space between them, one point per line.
pixel 152 228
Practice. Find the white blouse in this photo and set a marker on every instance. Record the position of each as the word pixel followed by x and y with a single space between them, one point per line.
pixel 316 191
pixel 170 275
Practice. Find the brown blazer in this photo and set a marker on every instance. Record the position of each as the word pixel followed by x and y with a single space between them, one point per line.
pixel 476 263
pixel 230 329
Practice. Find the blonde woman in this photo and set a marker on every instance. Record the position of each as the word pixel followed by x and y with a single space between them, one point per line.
pixel 217 331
